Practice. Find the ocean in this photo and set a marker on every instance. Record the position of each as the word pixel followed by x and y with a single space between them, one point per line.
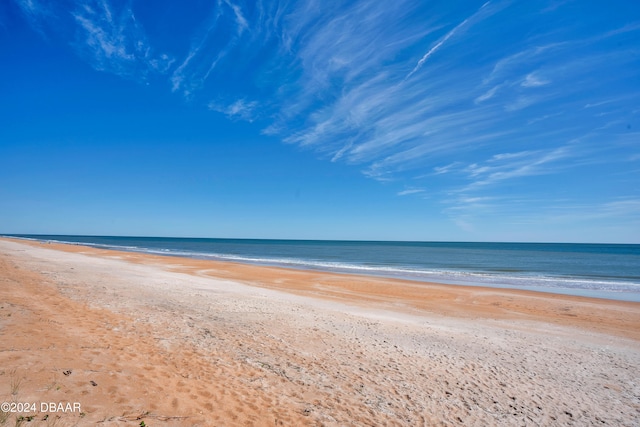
pixel 596 270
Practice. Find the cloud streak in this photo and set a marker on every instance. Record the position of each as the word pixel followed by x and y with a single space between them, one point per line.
pixel 405 91
pixel 510 166
pixel 107 35
pixel 443 40
pixel 240 109
pixel 410 191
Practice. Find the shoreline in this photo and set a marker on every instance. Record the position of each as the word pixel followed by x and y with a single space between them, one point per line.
pixel 576 284
pixel 133 338
pixel 617 317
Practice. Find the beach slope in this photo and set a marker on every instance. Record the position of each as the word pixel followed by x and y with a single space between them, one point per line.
pixel 118 338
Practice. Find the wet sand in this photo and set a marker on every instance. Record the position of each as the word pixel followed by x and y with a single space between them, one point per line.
pixel 173 341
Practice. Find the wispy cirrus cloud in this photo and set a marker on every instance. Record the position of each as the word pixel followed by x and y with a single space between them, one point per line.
pixel 114 41
pixel 36 11
pixel 398 89
pixel 380 114
pixel 410 191
pixel 240 109
pixel 478 193
pixel 230 29
pixel 438 170
pixel 534 80
pixel 509 166
pixel 458 28
pixel 353 82
pixel 105 33
pixel 241 21
pixel 488 94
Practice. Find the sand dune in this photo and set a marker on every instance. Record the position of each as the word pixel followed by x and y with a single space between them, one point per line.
pixel 166 341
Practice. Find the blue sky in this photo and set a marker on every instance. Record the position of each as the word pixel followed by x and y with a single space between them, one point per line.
pixel 404 120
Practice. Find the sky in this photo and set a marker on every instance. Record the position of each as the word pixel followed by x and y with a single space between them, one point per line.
pixel 318 119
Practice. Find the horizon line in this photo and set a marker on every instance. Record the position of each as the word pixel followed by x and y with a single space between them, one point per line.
pixel 27 235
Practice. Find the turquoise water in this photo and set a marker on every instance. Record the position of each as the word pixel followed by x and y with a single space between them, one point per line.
pixel 598 270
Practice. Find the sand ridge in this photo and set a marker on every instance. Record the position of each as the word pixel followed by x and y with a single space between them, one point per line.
pixel 170 348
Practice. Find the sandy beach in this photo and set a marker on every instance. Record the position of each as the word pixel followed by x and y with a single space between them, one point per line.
pixel 113 338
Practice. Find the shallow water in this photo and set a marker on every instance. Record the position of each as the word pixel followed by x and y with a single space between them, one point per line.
pixel 596 270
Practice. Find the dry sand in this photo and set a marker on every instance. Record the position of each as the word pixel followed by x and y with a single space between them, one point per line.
pixel 167 341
